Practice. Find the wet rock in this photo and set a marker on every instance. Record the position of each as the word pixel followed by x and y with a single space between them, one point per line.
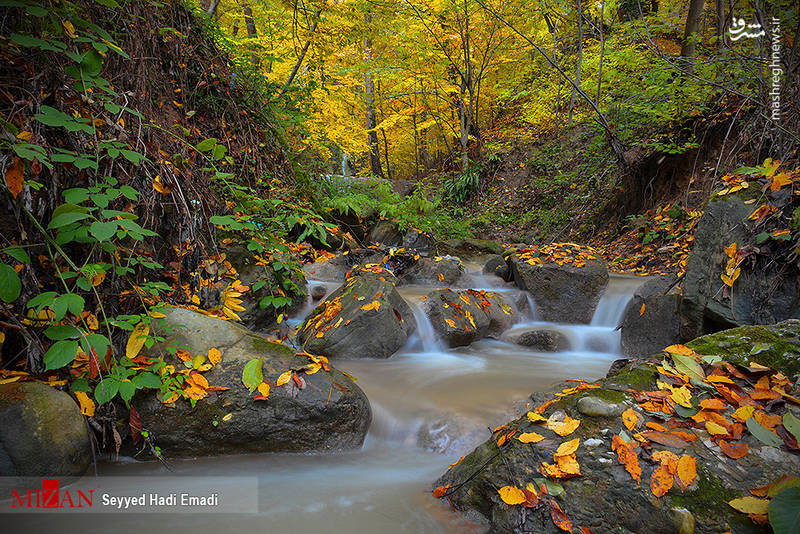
pixel 646 332
pixel 250 272
pixel 539 339
pixel 497 266
pixel 329 412
pixel 450 434
pixel 42 432
pixel 317 292
pixel 562 293
pixel 386 232
pixel 597 407
pixel 341 327
pixel 461 317
pixel 469 248
pixel 437 272
pixel 605 498
pixel 336 268
pixel 418 241
pixel 766 293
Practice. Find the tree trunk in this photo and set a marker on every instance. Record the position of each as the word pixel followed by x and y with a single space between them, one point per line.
pixel 690 31
pixel 720 11
pixel 369 90
pixel 580 63
pixel 602 52
pixel 300 58
pixel 250 24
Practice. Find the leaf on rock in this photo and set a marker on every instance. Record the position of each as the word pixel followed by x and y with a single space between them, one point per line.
pixel 750 505
pixel 733 450
pixel 560 519
pixel 252 374
pixel 568 447
pixel 565 427
pixel 441 491
pixel 214 355
pixel 534 417
pixel 661 481
pixel 763 434
pixel 629 419
pixel 530 437
pixel 284 378
pixel 627 456
pixel 512 495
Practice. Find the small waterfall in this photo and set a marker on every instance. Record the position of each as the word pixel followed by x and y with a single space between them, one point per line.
pixel 610 309
pixel 424 336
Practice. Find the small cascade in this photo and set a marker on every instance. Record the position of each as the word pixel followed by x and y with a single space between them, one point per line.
pixel 610 309
pixel 424 339
pixel 388 427
pixel 310 303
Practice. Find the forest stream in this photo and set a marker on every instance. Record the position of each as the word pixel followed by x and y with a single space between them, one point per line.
pixel 430 405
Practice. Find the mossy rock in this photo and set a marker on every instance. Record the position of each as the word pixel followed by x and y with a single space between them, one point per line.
pixel 42 432
pixel 776 346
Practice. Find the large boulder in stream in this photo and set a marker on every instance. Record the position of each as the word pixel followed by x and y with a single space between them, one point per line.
pixel 652 318
pixel 565 280
pixel 768 288
pixel 335 269
pixel 42 432
pixel 438 271
pixel 322 411
pixel 469 248
pixel 365 318
pixel 597 491
pixel 462 317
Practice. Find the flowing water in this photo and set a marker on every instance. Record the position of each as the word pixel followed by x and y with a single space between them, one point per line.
pixel 430 405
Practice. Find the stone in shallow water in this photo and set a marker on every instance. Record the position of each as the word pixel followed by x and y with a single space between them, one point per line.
pixel 597 407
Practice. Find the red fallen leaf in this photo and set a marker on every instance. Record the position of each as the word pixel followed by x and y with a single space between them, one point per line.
pixel 217 388
pixel 441 491
pixel 298 381
pixel 560 519
pixel 260 397
pixel 531 498
pixel 787 437
pixel 733 450
pixel 135 422
pixel 668 439
pixel 585 530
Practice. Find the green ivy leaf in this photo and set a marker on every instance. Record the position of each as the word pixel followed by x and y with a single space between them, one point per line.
pixel 106 389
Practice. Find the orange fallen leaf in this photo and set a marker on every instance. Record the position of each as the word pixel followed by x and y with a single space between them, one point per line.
pixel 641 310
pixel 87 404
pixel 15 177
pixel 661 480
pixel 683 350
pixel 713 404
pixel 565 427
pixel 687 471
pixel 451 323
pixel 627 456
pixel 733 450
pixel 655 426
pixel 441 491
pixel 214 355
pixel 629 418
pixel 560 519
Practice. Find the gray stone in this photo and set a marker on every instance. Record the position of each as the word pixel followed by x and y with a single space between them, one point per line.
pixel 418 241
pixel 496 265
pixel 317 292
pixel 562 293
pixel 42 432
pixel 469 248
pixel 539 339
pixel 597 407
pixel 349 331
pixel 336 268
pixel 659 326
pixel 386 232
pixel 462 317
pixel 764 293
pixel 437 272
pixel 329 411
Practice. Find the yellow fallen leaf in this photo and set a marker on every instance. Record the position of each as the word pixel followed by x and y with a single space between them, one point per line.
pixel 743 413
pixel 87 404
pixel 715 429
pixel 682 396
pixel 227 417
pixel 450 322
pixel 641 310
pixel 512 495
pixel 284 378
pixel 534 417
pixel 568 447
pixel 750 505
pixel 629 418
pixel 683 350
pixel 730 250
pixel 374 305
pixel 214 355
pixel 530 437
pixel 565 427
pixel 263 389
pixel 137 339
